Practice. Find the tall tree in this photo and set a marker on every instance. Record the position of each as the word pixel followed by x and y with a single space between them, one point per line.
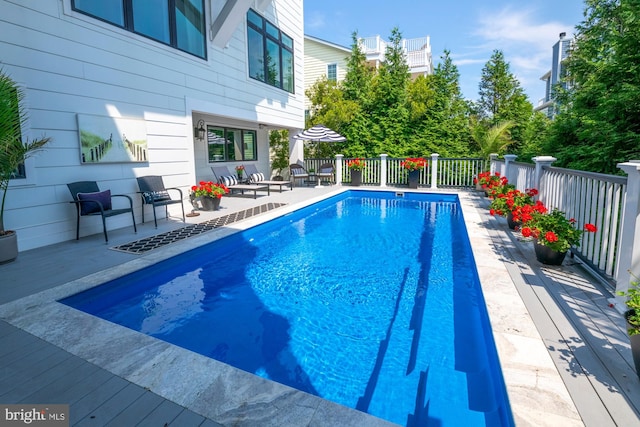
pixel 389 98
pixel 502 98
pixel 598 124
pixel 439 113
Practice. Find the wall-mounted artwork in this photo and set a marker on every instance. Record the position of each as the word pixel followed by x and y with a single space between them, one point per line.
pixel 106 139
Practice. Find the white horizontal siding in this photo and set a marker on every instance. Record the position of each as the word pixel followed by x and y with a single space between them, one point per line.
pixel 72 64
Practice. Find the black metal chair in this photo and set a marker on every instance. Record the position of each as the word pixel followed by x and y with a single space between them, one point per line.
pixel 90 201
pixel 297 171
pixel 326 172
pixel 154 193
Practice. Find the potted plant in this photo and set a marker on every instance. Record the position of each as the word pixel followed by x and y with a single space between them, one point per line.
pixel 240 171
pixel 554 234
pixel 632 316
pixel 209 194
pixel 487 181
pixel 13 152
pixel 513 204
pixel 414 165
pixel 356 166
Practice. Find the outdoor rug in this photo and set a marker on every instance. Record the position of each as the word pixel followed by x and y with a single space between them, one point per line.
pixel 159 240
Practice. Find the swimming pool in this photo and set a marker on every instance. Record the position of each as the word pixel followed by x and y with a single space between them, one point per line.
pixel 366 299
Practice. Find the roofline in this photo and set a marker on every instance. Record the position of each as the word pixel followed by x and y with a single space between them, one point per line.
pixel 334 45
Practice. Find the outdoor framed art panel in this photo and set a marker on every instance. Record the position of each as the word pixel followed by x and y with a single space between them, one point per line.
pixel 105 139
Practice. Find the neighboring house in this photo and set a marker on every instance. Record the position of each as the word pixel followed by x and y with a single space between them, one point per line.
pixel 323 58
pixel 553 77
pixel 139 81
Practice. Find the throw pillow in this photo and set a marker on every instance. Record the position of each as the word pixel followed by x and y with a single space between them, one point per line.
pixel 257 177
pixel 104 197
pixel 156 196
pixel 228 180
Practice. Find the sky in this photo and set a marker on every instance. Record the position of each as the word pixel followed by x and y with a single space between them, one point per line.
pixel 525 31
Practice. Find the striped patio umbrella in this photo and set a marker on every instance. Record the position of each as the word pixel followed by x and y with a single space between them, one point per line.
pixel 320 133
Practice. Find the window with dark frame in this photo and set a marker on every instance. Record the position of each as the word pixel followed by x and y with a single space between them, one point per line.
pixel 270 53
pixel 177 23
pixel 231 145
pixel 14 104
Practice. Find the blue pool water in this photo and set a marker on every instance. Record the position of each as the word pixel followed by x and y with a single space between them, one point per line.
pixel 366 299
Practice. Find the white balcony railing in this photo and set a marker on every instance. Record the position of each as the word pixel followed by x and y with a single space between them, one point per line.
pixel 417 51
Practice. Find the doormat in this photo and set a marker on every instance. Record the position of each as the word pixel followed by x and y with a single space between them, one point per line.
pixel 149 243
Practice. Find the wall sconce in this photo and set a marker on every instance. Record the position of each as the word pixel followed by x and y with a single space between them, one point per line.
pixel 200 131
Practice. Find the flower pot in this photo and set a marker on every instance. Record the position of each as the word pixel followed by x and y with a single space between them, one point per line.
pixel 8 246
pixel 635 342
pixel 414 178
pixel 511 223
pixel 356 177
pixel 548 256
pixel 210 203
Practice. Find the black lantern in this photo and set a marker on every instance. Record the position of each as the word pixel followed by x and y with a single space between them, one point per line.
pixel 200 131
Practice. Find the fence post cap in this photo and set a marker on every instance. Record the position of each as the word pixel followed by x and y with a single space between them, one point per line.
pixel 538 159
pixel 629 166
pixel 510 157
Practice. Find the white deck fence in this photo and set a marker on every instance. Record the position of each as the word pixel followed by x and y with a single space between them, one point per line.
pixel 611 202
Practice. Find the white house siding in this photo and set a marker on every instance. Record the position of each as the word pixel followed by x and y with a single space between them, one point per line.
pixel 69 63
pixel 317 55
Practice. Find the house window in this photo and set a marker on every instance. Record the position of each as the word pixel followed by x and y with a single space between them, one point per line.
pixel 270 53
pixel 231 145
pixel 332 72
pixel 177 23
pixel 13 102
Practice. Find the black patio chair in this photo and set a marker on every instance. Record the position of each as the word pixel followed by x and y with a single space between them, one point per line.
pixel 326 172
pixel 154 193
pixel 297 171
pixel 90 201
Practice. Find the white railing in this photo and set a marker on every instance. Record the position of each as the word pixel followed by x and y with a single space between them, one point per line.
pixel 610 202
pixel 603 200
pixel 418 50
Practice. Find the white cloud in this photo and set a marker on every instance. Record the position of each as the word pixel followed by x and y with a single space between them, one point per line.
pixel 525 42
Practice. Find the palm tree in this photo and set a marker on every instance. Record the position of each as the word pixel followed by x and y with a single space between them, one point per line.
pixel 494 139
pixel 13 151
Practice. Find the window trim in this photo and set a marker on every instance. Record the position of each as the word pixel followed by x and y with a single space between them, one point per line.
pixel 230 129
pixel 335 65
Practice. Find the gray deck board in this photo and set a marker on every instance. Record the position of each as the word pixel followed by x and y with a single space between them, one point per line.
pixel 138 409
pixel 568 307
pixel 166 413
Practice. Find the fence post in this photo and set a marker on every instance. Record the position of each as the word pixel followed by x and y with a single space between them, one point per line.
pixel 434 170
pixel 508 158
pixel 541 161
pixel 492 164
pixel 339 169
pixel 383 170
pixel 629 249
